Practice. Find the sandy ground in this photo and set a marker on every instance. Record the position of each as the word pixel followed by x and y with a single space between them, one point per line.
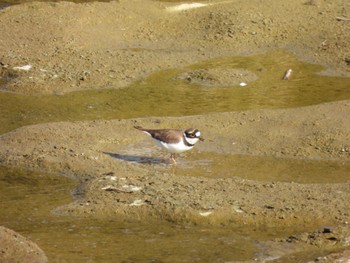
pixel 96 45
pixel 108 151
pixel 122 174
pixel 16 248
pixel 110 45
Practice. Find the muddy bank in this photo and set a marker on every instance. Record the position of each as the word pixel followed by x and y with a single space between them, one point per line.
pixel 335 257
pixel 62 47
pixel 16 248
pixel 111 155
pixel 124 175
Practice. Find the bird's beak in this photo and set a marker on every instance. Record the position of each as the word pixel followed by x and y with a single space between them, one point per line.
pixel 201 139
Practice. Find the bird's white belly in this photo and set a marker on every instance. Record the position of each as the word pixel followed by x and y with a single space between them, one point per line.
pixel 175 147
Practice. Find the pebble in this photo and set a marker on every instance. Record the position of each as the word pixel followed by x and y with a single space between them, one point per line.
pixel 183 7
pixel 327 230
pixel 24 68
pixel 109 188
pixel 137 202
pixel 206 213
pixel 287 74
pixel 132 188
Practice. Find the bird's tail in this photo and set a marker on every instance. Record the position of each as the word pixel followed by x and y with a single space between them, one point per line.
pixel 143 130
pixel 139 128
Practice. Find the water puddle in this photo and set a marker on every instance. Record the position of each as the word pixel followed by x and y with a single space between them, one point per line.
pixel 30 197
pixel 166 93
pixel 264 168
pixel 27 198
pixel 217 165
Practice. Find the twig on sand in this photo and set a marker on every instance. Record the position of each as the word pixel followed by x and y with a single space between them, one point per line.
pixel 340 18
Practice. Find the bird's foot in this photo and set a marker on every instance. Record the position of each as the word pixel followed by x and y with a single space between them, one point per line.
pixel 172 158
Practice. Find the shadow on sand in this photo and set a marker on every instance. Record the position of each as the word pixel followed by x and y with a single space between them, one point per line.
pixel 137 159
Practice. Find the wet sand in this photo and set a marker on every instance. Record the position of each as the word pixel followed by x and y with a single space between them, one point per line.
pixel 125 176
pixel 135 39
pixel 110 45
pixel 16 248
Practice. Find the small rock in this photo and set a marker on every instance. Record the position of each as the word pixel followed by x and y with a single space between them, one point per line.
pixel 347 61
pixel 137 202
pixel 206 213
pixel 132 188
pixel 287 74
pixel 327 230
pixel 109 188
pixel 24 68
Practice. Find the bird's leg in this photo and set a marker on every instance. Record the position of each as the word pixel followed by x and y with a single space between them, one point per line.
pixel 172 157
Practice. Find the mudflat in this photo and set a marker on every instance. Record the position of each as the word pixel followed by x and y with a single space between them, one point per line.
pixel 61 47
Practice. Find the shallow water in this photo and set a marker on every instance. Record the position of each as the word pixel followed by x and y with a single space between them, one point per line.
pixel 28 197
pixel 163 95
pixel 217 165
pixel 27 201
pixel 263 168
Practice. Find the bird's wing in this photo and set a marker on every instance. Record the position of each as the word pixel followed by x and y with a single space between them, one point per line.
pixel 168 135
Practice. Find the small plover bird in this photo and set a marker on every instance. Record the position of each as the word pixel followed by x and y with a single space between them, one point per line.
pixel 174 141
